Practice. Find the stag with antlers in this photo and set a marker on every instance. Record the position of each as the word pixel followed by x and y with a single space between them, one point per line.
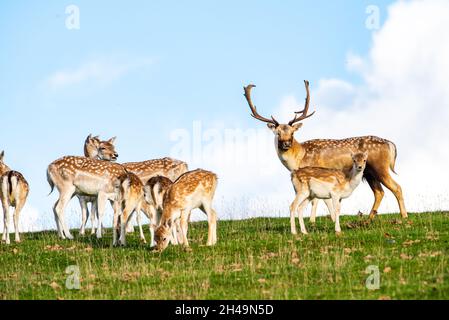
pixel 333 154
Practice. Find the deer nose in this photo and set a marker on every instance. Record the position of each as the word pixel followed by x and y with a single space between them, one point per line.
pixel 360 168
pixel 286 144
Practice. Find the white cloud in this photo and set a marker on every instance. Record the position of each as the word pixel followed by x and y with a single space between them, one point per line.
pixel 98 71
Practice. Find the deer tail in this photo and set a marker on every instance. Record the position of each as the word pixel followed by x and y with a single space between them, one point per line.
pixel 50 181
pixel 393 156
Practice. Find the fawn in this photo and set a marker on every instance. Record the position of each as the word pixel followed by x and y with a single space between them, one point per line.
pixel 194 189
pixel 129 198
pixel 14 191
pixel 155 190
pixel 312 183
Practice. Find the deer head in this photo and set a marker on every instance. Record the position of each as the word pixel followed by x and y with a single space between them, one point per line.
pixel 284 133
pixel 95 148
pixel 163 235
pixel 359 161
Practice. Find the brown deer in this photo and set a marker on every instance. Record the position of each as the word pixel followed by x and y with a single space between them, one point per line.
pixel 145 170
pixel 14 191
pixel 82 176
pixel 333 153
pixel 322 183
pixel 129 198
pixel 194 189
pixel 154 191
pixel 94 148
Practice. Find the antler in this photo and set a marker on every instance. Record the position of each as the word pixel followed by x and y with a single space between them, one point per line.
pixel 254 109
pixel 303 113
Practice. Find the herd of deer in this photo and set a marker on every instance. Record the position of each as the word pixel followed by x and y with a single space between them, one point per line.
pixel 166 192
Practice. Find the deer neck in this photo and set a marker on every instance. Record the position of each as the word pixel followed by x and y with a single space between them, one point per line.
pixel 355 177
pixel 292 157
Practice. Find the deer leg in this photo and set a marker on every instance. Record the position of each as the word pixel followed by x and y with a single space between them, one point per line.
pixel 57 221
pixel 115 223
pixel 139 222
pixel 184 229
pixel 154 222
pixel 130 226
pixel 378 194
pixel 63 200
pixel 293 207
pixel 299 199
pixel 125 220
pixel 314 209
pixel 330 208
pixel 300 210
pixel 394 187
pixel 337 205
pixel 93 215
pixel 101 206
pixel 5 205
pixel 212 223
pixel 84 214
pixel 176 233
pixel 19 206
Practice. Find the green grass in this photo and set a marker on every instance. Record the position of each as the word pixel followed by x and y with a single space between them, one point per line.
pixel 254 259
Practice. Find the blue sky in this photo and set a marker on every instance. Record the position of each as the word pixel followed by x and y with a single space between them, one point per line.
pixel 172 62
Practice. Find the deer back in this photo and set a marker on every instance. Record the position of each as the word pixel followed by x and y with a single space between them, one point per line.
pixel 337 153
pixel 167 167
pixel 198 183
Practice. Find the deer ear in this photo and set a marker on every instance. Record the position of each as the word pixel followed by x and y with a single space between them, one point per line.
pixel 89 137
pixel 2 155
pixel 112 140
pixel 271 126
pixel 297 126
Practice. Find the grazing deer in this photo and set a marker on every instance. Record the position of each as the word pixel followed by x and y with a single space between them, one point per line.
pixel 94 148
pixel 145 170
pixel 194 189
pixel 155 190
pixel 82 176
pixel 13 193
pixel 334 154
pixel 129 199
pixel 322 183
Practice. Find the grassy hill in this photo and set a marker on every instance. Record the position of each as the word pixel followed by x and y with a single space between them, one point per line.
pixel 254 259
